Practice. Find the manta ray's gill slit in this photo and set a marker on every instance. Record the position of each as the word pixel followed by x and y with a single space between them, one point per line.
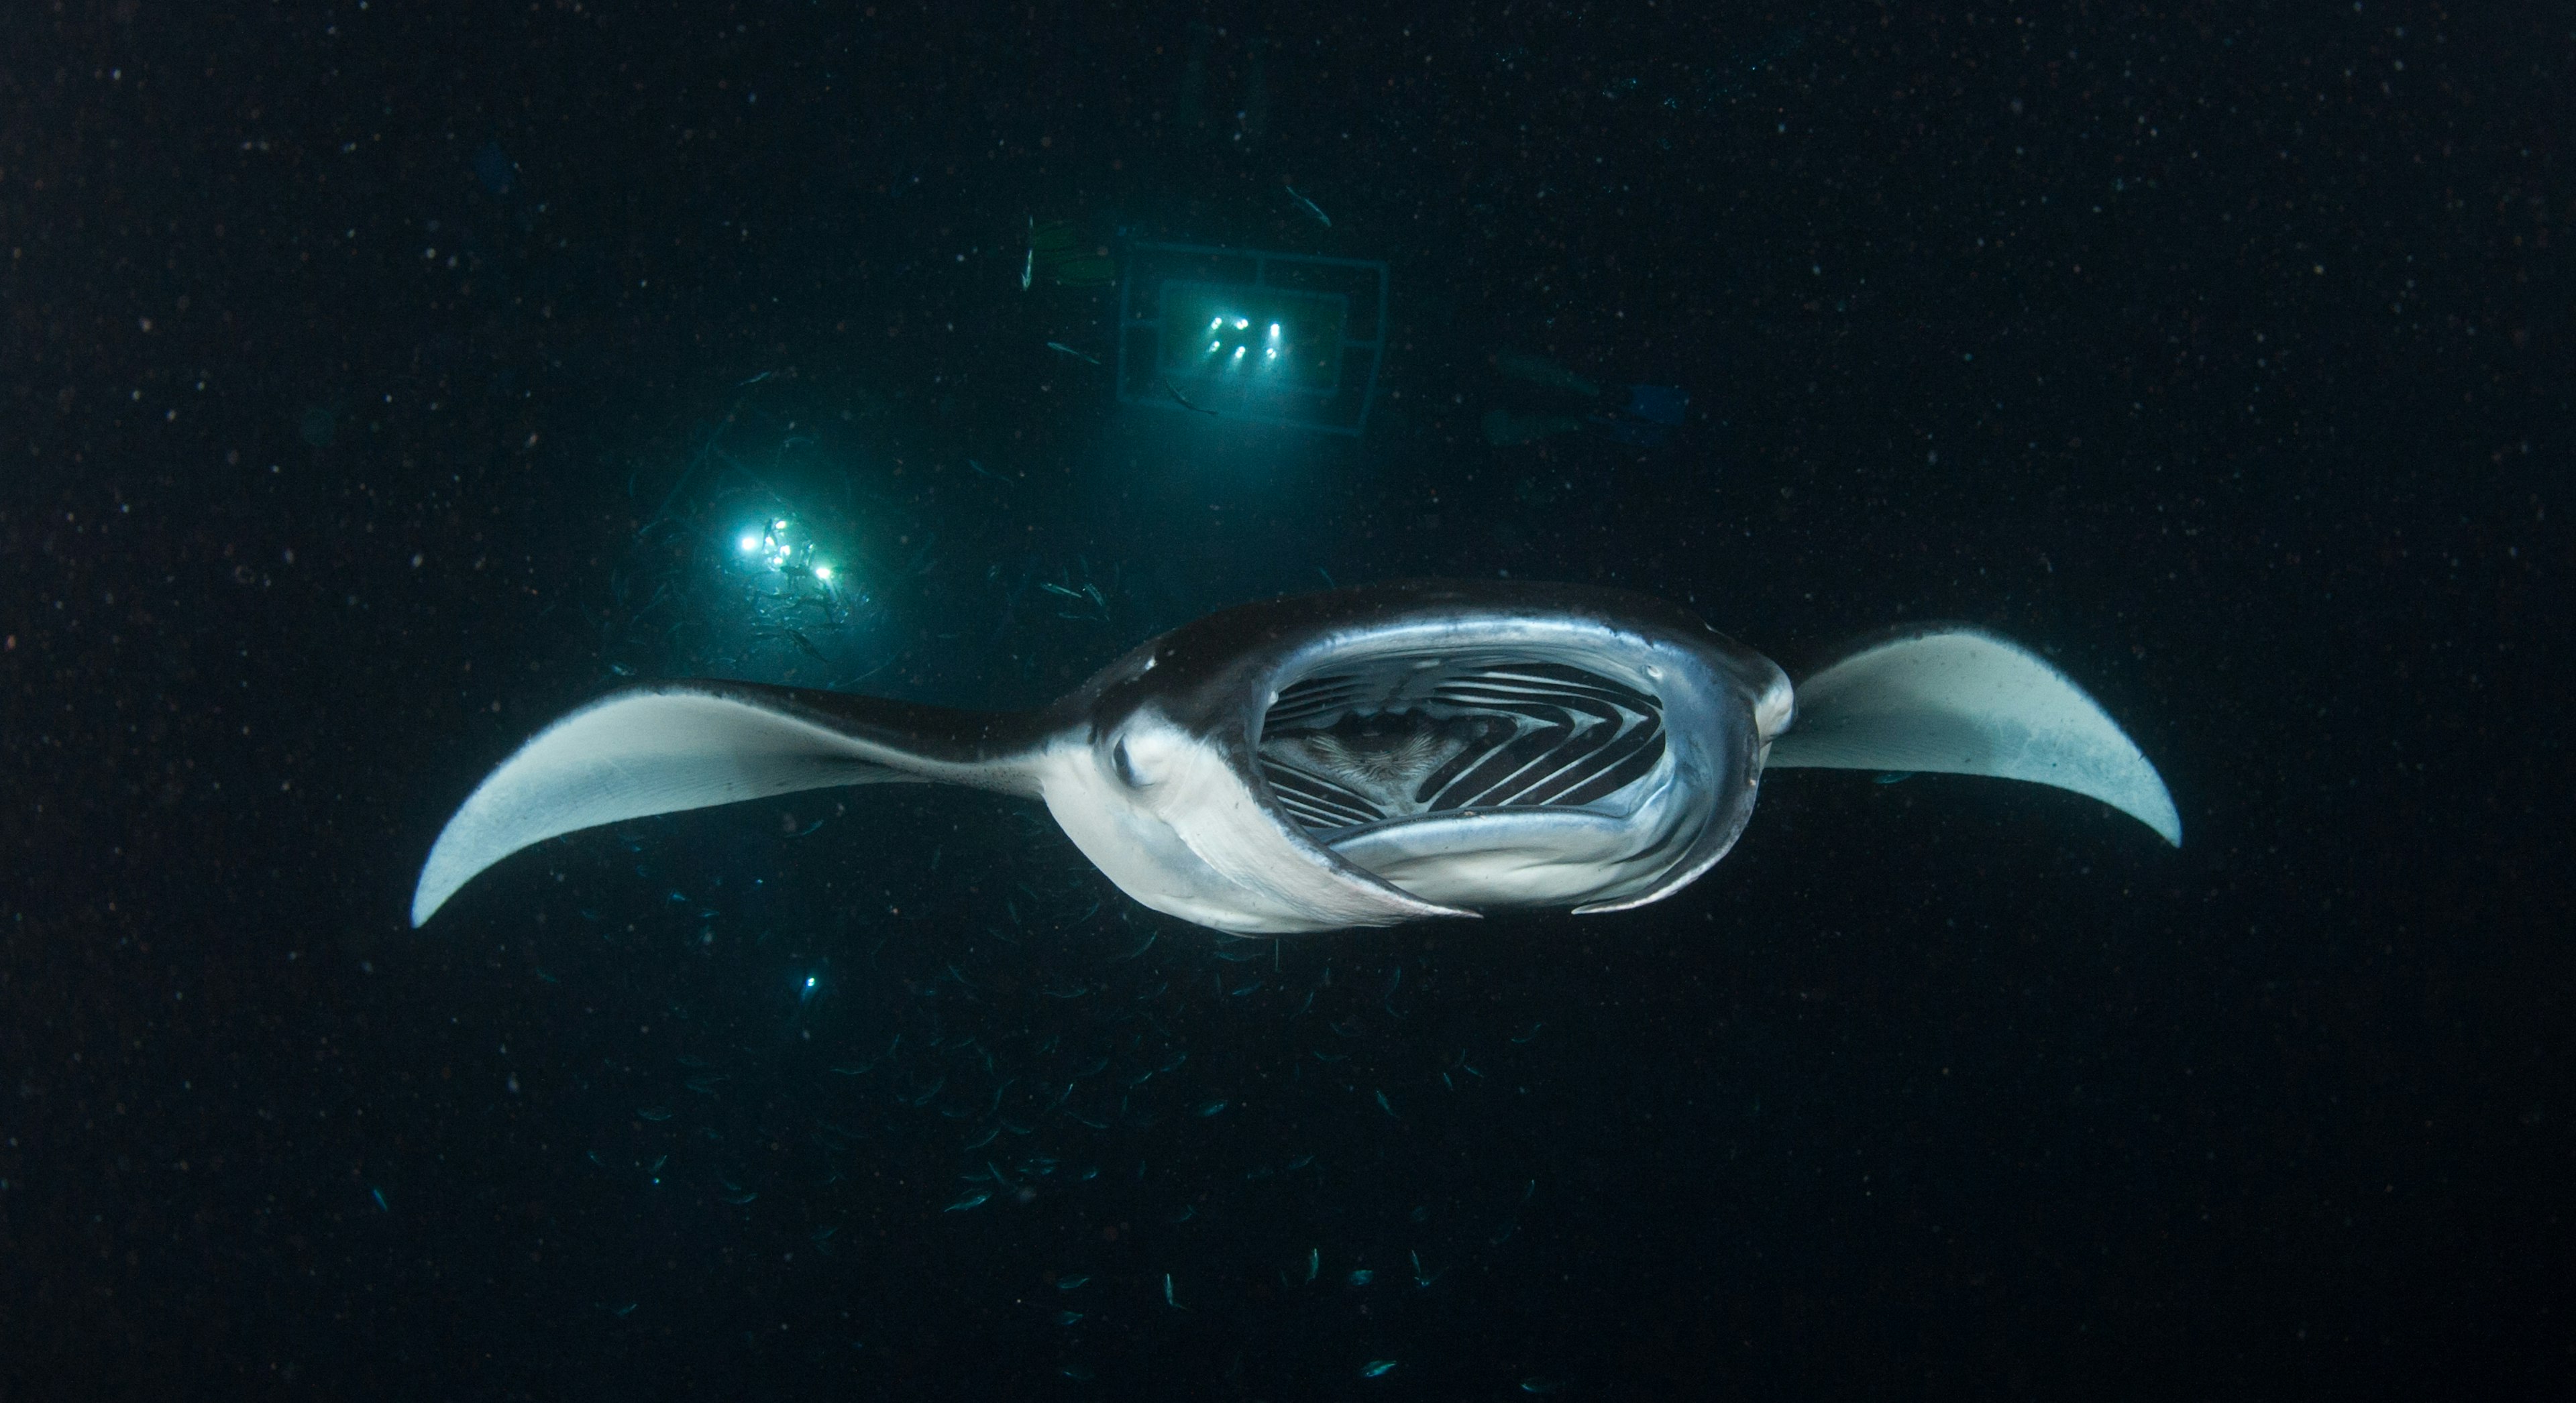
pixel 1491 731
pixel 1409 737
pixel 1320 802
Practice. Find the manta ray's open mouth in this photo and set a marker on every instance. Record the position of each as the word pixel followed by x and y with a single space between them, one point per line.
pixel 1389 739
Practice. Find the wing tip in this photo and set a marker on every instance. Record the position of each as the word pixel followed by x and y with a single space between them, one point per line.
pixel 432 892
pixel 2162 816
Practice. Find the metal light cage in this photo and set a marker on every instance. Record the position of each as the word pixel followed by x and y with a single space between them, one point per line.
pixel 1253 336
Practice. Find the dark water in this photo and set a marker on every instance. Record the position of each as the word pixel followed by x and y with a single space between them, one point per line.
pixel 382 381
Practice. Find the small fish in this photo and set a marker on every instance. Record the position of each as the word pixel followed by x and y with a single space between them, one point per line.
pixel 1167 1293
pixel 1184 399
pixel 1076 1373
pixel 1063 349
pixel 741 1197
pixel 1067 1317
pixel 1071 1283
pixel 380 1200
pixel 976 1199
pixel 655 1113
pixel 1377 1368
pixel 806 646
pixel 1318 215
pixel 1028 269
pixel 1892 777
pixel 1529 1034
pixel 1362 1277
pixel 1209 1108
pixel 1538 1383
pixel 1314 1260
pixel 1385 1105
pixel 1300 1162
pixel 982 471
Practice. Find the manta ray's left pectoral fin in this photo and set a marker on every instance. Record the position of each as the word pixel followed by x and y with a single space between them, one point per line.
pixel 666 747
pixel 1963 701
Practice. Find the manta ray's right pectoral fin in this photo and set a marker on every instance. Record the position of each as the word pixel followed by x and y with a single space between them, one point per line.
pixel 666 747
pixel 1963 701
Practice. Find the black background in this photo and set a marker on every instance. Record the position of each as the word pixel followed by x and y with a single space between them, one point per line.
pixel 2221 350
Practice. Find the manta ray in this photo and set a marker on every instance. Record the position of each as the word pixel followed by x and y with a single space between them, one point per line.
pixel 1356 758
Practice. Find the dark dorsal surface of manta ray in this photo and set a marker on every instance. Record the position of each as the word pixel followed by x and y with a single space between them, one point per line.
pixel 1356 758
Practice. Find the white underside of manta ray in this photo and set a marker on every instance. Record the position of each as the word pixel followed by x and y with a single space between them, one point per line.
pixel 1357 758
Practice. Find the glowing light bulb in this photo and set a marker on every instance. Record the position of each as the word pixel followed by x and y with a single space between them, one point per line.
pixel 750 544
pixel 1215 322
pixel 1274 331
pixel 778 526
pixel 1271 354
pixel 1240 323
pixel 823 572
pixel 1238 352
pixel 1212 348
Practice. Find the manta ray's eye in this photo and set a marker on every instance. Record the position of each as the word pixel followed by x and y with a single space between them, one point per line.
pixel 1126 768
